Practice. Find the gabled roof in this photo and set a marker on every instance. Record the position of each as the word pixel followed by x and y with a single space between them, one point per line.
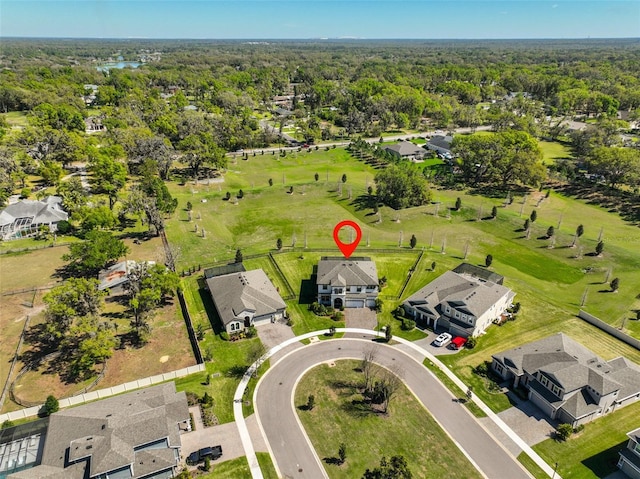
pixel 42 212
pixel 117 274
pixel 338 271
pixel 441 141
pixel 465 293
pixel 109 430
pixel 405 148
pixel 572 366
pixel 245 291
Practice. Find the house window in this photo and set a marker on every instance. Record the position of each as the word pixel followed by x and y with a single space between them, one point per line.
pixel 457 314
pixel 447 309
pixel 544 381
pixel 556 390
pixel 359 289
pixel 636 447
pixel 235 326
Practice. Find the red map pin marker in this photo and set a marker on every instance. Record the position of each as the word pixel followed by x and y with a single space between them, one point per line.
pixel 347 249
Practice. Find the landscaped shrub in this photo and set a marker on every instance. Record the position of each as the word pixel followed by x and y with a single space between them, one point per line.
pixel 337 316
pixel 408 324
pixel 482 369
pixel 207 400
pixel 398 313
pixel 192 422
pixel 208 417
pixel 251 332
pixel 320 309
pixel 224 335
pixel 471 342
pixel 564 431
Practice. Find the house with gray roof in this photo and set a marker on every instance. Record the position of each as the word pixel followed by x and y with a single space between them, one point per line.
pixel 440 144
pixel 116 277
pixel 347 282
pixel 629 461
pixel 135 435
pixel 406 150
pixel 567 381
pixel 24 218
pixel 460 302
pixel 244 299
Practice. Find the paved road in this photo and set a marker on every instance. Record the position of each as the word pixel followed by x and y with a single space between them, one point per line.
pixel 294 456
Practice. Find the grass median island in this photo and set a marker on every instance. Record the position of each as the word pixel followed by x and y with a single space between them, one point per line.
pixel 335 418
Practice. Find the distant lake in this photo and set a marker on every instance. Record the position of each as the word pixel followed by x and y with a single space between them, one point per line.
pixel 120 64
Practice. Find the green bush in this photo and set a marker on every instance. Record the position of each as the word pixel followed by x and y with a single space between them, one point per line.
pixel 564 431
pixel 251 332
pixel 408 324
pixel 471 343
pixel 224 335
pixel 192 398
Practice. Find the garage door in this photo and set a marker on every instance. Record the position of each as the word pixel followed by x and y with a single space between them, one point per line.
pixel 355 303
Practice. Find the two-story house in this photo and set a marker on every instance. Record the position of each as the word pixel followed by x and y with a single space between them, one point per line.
pixel 244 299
pixel 629 461
pixel 463 302
pixel 348 283
pixel 567 381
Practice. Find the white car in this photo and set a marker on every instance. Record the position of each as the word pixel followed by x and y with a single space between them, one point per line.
pixel 442 340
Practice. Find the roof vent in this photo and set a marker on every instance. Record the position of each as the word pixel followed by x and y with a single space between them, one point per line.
pixel 90 446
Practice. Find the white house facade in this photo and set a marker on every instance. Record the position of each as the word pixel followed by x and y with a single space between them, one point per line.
pixel 347 283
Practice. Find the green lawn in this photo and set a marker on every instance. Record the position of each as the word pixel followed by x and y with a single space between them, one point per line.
pixel 593 453
pixel 334 419
pixel 553 150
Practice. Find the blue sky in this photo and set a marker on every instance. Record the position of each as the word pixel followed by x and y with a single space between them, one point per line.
pixel 268 19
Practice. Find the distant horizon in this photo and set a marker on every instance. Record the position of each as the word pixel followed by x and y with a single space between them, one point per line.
pixel 321 39
pixel 317 19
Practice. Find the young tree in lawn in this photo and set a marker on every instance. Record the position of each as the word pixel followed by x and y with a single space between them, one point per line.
pixel 615 284
pixel 488 260
pixel 238 258
pixel 342 452
pixel 279 244
pixel 240 194
pixel 599 248
pixel 527 224
pixel 387 333
pixel 316 176
pixel 255 353
pixel 433 266
pixel 367 365
pixel 389 383
pixel 494 212
pixel 344 178
pixel 579 231
pixel 534 216
pixel 311 402
pixel 413 241
pixel 100 249
pixel 270 181
pixel 550 231
pixel 458 204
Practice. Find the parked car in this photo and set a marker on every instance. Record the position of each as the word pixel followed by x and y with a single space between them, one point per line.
pixel 442 340
pixel 198 456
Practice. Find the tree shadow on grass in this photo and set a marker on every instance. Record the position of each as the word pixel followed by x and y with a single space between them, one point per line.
pixel 236 372
pixel 604 463
pixel 332 460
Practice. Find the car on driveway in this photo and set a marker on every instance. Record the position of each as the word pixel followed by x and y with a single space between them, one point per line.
pixel 198 456
pixel 442 340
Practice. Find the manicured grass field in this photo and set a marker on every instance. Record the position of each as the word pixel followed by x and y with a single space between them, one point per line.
pixel 593 453
pixel 335 418
pixel 553 150
pixel 239 468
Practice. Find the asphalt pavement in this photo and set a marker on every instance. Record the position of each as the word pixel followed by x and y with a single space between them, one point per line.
pixel 290 447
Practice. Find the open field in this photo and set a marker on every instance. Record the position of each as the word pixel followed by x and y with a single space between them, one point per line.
pixel 239 468
pixel 334 419
pixel 553 150
pixel 267 213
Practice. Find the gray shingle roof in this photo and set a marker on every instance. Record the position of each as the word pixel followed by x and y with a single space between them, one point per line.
pixel 463 292
pixel 238 292
pixel 109 430
pixel 42 212
pixel 405 148
pixel 572 366
pixel 441 141
pixel 340 271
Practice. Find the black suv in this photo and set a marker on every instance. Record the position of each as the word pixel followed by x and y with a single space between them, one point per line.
pixel 198 456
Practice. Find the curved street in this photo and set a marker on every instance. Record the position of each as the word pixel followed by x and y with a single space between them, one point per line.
pixel 291 451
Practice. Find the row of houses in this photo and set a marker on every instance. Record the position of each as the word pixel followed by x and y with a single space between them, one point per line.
pixel 407 150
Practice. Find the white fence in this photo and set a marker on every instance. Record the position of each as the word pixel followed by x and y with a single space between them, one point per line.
pixel 106 392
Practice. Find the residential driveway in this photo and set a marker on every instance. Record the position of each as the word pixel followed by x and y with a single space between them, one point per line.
pixel 272 334
pixel 364 318
pixel 528 421
pixel 225 434
pixel 425 343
